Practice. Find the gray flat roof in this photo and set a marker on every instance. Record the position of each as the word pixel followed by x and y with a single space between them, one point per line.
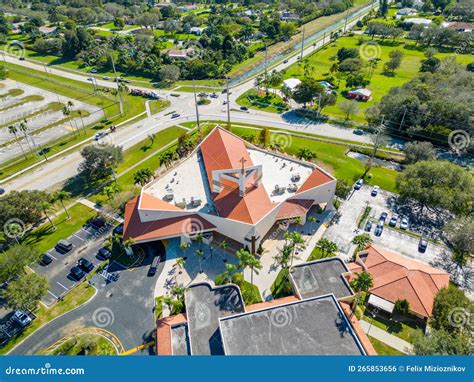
pixel 314 326
pixel 321 277
pixel 204 306
pixel 180 340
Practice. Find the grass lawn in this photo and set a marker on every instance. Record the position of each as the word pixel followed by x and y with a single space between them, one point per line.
pixel 380 84
pixel 271 102
pixel 383 349
pixel 402 327
pixel 93 343
pixel 331 157
pixel 281 287
pixel 159 307
pixel 45 237
pixel 76 297
pixel 158 105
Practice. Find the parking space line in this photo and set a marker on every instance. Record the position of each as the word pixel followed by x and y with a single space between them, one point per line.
pixel 57 282
pixel 80 238
pixel 52 294
pixel 49 254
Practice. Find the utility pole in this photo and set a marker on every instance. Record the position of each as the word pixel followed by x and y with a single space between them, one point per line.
pixel 197 108
pixel 379 131
pixel 403 118
pixel 118 88
pixel 228 105
pixel 345 22
pixel 266 62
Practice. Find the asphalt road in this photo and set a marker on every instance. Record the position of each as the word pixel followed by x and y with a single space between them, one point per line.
pixel 122 307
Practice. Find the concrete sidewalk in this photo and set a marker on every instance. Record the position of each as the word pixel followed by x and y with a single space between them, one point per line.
pixel 386 338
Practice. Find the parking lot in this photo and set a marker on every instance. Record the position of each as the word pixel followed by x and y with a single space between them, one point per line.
pixel 86 242
pixel 344 230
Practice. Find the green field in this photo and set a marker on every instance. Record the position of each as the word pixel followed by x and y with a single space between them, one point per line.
pixel 380 84
pixel 271 102
pixel 383 349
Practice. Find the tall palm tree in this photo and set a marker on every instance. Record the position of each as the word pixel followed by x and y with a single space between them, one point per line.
pixel 327 247
pixel 247 260
pixel 362 282
pixel 283 256
pixel 230 269
pixel 199 239
pixel 362 241
pixel 184 246
pixel 143 176
pixel 61 196
pixel 14 130
pixel 312 220
pixel 82 120
pixel 23 127
pixel 46 207
pixel 200 255
pixel 297 242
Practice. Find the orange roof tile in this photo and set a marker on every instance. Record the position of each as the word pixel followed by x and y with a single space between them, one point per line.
pixel 398 277
pixel 269 304
pixel 138 230
pixel 149 202
pixel 316 179
pixel 222 150
pixel 163 333
pixel 294 207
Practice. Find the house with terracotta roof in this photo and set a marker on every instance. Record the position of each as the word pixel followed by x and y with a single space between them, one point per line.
pixel 397 277
pixel 227 186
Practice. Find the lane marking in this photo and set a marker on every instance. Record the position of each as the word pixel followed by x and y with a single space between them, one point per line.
pixel 52 294
pixel 138 348
pixel 80 238
pixel 57 282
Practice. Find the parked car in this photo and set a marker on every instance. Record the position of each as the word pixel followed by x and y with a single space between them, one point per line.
pixel 154 265
pixel 285 61
pixel 100 135
pixel 379 229
pixel 118 229
pixel 358 184
pixel 393 221
pixel 175 115
pixel 22 318
pixel 97 223
pixel 21 58
pixel 63 246
pixel 104 253
pixel 383 217
pixel 2 191
pixel 368 226
pixel 358 132
pixel 244 108
pixel 214 95
pixel 106 78
pixel 422 245
pixel 77 273
pixel 46 260
pixel 93 70
pixel 90 79
pixel 375 191
pixel 404 223
pixel 85 264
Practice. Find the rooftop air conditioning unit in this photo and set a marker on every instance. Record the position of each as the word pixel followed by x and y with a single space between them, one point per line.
pixel 295 177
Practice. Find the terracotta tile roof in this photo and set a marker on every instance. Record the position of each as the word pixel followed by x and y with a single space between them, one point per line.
pixel 163 333
pixel 399 277
pixel 149 202
pixel 269 304
pixel 294 207
pixel 222 150
pixel 316 179
pixel 364 340
pixel 134 228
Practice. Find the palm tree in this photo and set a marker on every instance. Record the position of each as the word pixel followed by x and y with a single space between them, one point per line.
pixel 362 241
pixel 297 242
pixel 312 220
pixel 247 260
pixel 61 196
pixel 13 130
pixel 127 244
pixel 23 127
pixel 362 282
pixel 200 255
pixel 46 207
pixel 143 176
pixel 326 247
pixel 82 120
pixel 67 113
pixel 284 255
pixel 184 246
pixel 230 269
pixel 199 239
pixel 178 291
pixel 180 264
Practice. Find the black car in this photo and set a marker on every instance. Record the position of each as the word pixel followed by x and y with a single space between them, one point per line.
pixel 98 223
pixel 383 216
pixel 422 245
pixel 63 246
pixel 77 273
pixel 379 229
pixel 118 229
pixel 2 191
pixel 244 108
pixel 85 264
pixel 104 253
pixel 46 260
pixel 368 226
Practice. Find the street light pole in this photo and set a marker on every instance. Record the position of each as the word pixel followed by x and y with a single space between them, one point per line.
pixel 228 105
pixel 118 88
pixel 197 108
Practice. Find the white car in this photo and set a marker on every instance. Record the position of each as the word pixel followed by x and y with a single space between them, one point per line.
pixel 404 223
pixel 22 318
pixel 375 191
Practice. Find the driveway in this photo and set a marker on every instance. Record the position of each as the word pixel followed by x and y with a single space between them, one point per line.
pixel 122 307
